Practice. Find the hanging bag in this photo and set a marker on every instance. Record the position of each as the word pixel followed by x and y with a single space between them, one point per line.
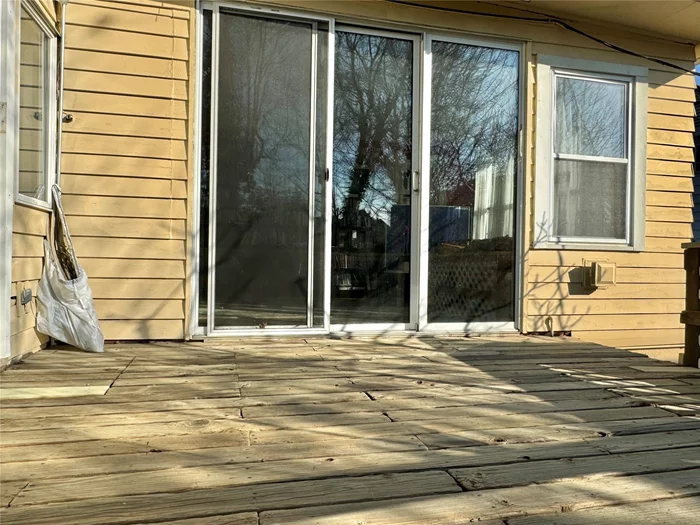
pixel 65 308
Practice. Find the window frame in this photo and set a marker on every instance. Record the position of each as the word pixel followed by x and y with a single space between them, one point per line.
pixel 549 68
pixel 49 88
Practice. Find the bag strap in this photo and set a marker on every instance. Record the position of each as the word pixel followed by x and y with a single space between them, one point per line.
pixel 61 240
pixel 49 245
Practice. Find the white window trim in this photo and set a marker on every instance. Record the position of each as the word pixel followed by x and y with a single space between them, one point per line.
pixel 50 101
pixel 638 78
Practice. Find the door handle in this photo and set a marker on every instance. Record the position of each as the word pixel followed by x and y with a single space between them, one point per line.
pixel 416 181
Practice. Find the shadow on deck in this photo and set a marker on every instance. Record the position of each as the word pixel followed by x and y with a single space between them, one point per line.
pixel 375 430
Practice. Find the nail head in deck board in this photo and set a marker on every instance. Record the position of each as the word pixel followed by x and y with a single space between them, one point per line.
pixel 456 509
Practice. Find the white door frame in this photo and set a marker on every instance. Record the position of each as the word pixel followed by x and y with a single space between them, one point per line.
pixel 273 14
pixel 9 151
pixel 422 61
pixel 480 327
pixel 412 324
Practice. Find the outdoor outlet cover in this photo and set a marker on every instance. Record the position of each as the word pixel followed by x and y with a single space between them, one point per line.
pixel 26 296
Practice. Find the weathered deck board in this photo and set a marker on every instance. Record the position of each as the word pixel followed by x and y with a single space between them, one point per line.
pixel 429 402
pixel 8 491
pixel 144 460
pixel 569 495
pixel 245 518
pixel 30 392
pixel 499 476
pixel 233 499
pixel 333 431
pixel 234 473
pixel 683 510
pixel 451 425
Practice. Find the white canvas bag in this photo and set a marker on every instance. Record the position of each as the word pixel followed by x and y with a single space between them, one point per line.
pixel 65 308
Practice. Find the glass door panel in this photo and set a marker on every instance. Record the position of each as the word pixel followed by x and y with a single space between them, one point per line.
pixel 267 171
pixel 473 165
pixel 287 249
pixel 372 178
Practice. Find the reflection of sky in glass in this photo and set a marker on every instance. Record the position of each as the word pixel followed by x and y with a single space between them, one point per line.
pixel 373 118
pixel 474 116
pixel 591 117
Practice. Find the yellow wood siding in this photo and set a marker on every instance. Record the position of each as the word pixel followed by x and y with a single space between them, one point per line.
pixel 125 159
pixel 29 230
pixel 127 168
pixel 642 310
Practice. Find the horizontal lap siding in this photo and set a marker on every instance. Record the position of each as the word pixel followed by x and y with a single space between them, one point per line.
pixel 642 310
pixel 125 160
pixel 29 228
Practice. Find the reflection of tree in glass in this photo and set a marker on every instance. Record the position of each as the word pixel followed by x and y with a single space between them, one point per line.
pixel 373 119
pixel 473 145
pixel 474 117
pixel 590 118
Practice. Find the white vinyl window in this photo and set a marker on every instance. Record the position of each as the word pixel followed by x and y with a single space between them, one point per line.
pixel 591 155
pixel 36 106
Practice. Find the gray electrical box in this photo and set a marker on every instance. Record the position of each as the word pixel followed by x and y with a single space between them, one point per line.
pixel 26 296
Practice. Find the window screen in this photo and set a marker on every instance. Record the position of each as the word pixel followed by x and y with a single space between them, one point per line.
pixel 590 158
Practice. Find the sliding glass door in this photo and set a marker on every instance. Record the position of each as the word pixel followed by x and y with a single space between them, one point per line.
pixel 267 166
pixel 373 179
pixel 355 179
pixel 470 167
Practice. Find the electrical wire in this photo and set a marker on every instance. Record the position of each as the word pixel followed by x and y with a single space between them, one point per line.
pixel 555 21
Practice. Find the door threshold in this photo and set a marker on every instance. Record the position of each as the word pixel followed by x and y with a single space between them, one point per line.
pixel 357 332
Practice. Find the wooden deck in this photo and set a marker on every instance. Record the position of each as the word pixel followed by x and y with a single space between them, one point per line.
pixel 383 430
